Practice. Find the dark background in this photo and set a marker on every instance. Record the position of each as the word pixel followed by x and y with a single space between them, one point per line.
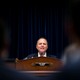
pixel 28 21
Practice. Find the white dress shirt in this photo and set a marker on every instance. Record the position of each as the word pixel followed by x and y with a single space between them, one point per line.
pixel 44 55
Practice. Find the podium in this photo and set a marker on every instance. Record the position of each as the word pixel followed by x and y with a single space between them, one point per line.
pixel 40 65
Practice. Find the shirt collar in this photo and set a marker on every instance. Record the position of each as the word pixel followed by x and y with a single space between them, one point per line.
pixel 45 55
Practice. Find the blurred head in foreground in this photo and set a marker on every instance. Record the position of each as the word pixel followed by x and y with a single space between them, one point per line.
pixel 4 43
pixel 73 21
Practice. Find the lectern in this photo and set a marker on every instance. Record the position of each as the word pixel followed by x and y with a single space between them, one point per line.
pixel 39 65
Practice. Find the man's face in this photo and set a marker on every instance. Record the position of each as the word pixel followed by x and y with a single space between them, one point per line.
pixel 42 45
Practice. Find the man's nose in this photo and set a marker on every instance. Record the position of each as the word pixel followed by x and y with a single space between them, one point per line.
pixel 42 45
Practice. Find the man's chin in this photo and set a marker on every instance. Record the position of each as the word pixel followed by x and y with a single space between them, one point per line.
pixel 42 51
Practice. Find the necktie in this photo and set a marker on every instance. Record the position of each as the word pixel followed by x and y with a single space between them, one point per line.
pixel 41 56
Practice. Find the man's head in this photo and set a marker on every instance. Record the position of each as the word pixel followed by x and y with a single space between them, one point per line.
pixel 73 20
pixel 42 45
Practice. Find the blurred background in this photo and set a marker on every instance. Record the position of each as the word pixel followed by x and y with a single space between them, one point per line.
pixel 28 21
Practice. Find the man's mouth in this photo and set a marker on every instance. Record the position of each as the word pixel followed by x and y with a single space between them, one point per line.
pixel 41 48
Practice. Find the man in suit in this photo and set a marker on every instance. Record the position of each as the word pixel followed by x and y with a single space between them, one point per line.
pixel 41 46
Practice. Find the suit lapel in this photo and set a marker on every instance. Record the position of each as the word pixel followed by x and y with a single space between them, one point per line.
pixel 36 55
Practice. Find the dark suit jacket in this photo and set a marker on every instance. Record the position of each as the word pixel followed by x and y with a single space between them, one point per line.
pixel 36 55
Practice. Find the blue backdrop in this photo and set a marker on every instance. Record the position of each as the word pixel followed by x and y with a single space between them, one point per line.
pixel 28 22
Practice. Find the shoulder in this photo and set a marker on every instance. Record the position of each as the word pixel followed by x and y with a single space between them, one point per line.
pixel 69 53
pixel 70 48
pixel 53 56
pixel 30 56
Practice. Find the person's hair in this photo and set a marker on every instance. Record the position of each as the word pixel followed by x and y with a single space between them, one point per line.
pixel 42 38
pixel 73 13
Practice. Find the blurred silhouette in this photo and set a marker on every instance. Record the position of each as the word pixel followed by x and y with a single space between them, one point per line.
pixel 71 57
pixel 5 72
pixel 72 52
pixel 41 46
pixel 71 70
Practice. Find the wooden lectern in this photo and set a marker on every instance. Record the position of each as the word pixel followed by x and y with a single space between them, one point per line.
pixel 39 65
